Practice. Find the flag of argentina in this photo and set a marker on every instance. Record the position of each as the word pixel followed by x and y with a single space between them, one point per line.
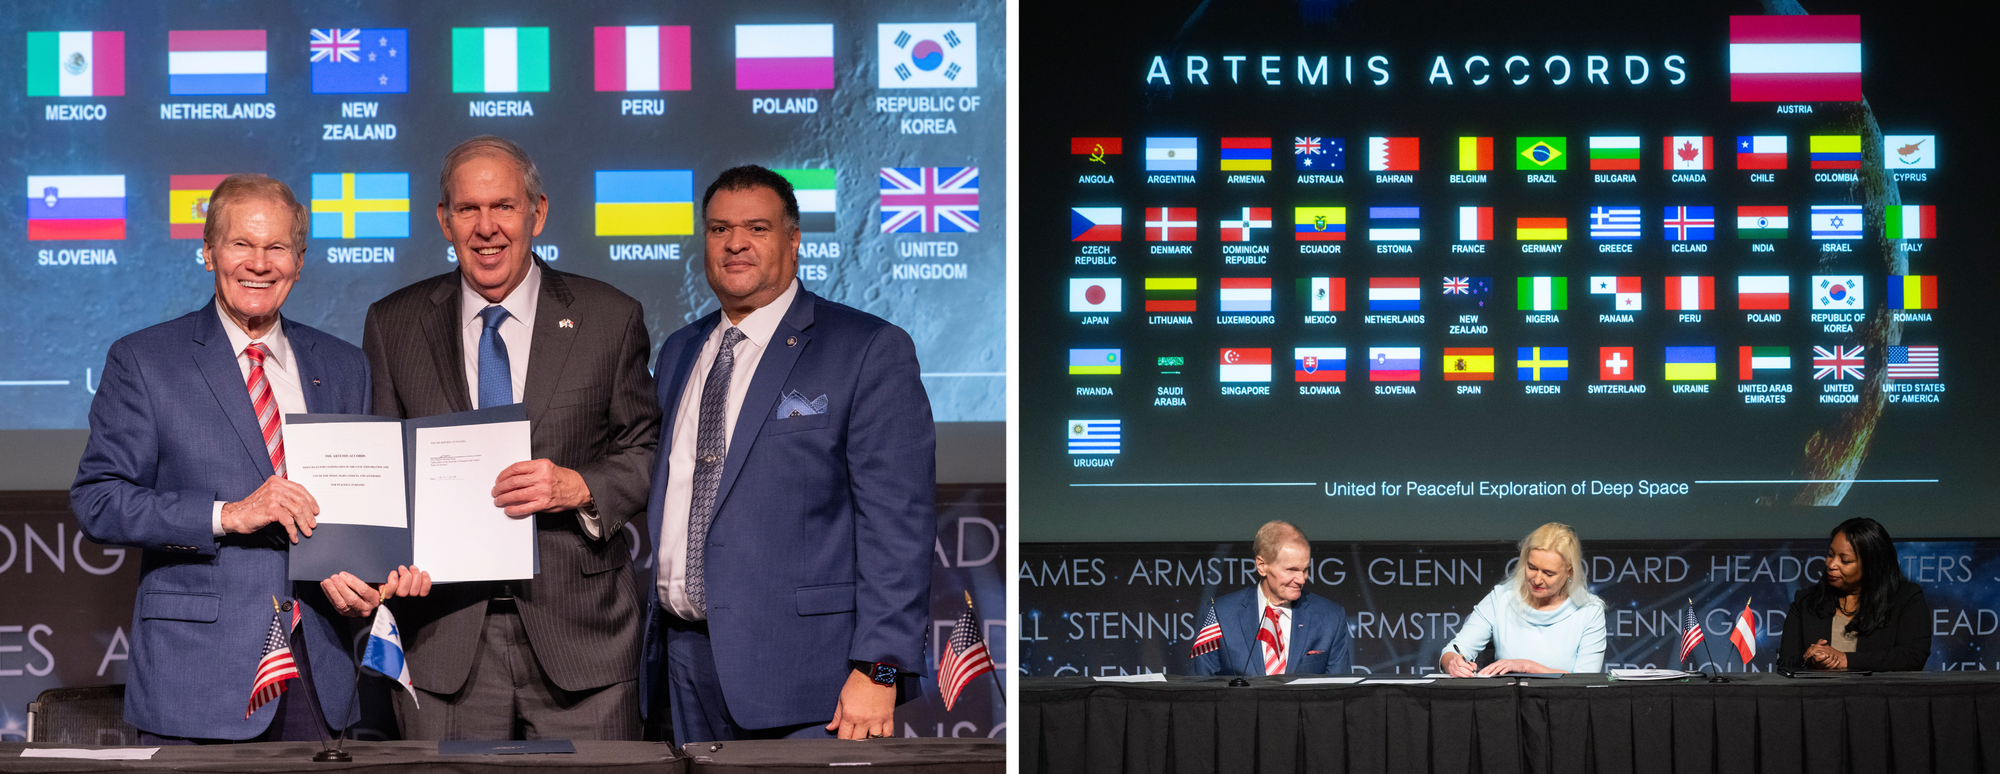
pixel 1170 154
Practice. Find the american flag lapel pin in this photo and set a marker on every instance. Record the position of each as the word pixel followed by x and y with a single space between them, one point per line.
pixel 565 323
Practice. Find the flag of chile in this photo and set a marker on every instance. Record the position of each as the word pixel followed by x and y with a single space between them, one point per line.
pixel 1794 58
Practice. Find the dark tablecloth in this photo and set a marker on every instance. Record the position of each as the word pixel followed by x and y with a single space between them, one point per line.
pixel 368 757
pixel 897 755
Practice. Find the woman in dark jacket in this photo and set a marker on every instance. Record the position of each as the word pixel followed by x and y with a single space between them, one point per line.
pixel 1863 615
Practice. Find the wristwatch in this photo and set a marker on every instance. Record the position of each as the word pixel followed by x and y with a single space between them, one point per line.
pixel 883 674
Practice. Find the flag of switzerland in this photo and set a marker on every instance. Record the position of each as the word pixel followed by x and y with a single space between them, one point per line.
pixel 1614 364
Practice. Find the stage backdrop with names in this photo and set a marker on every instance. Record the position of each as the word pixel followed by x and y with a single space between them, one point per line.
pixel 1128 608
pixel 66 612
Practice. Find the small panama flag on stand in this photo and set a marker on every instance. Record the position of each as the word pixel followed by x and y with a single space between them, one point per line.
pixel 385 651
pixel 1210 636
pixel 964 657
pixel 276 667
pixel 1744 636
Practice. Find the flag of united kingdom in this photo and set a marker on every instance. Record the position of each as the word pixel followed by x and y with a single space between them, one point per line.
pixel 930 200
pixel 335 45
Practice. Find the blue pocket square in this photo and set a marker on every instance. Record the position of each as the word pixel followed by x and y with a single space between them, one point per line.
pixel 795 405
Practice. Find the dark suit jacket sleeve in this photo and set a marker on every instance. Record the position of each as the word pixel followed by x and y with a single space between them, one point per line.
pixel 892 476
pixel 382 399
pixel 1792 644
pixel 114 495
pixel 620 479
pixel 1340 658
pixel 1908 631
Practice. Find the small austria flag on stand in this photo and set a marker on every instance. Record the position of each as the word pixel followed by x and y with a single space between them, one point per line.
pixel 1744 635
pixel 385 650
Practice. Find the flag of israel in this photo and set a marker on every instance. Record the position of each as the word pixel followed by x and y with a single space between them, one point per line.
pixel 385 650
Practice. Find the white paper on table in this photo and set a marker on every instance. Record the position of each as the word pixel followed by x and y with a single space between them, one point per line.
pixel 1326 681
pixel 1380 681
pixel 1151 677
pixel 107 754
pixel 458 534
pixel 1650 674
pixel 354 469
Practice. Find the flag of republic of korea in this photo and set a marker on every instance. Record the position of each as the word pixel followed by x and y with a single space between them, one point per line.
pixel 76 64
pixel 1690 293
pixel 499 60
pixel 784 56
pixel 1794 58
pixel 1246 365
pixel 642 58
pixel 927 56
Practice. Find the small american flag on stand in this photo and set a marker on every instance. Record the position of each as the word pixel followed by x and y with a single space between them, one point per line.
pixel 1210 636
pixel 1690 633
pixel 964 656
pixel 276 666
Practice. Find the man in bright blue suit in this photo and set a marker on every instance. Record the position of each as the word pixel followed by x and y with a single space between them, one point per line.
pixel 1276 626
pixel 186 462
pixel 793 501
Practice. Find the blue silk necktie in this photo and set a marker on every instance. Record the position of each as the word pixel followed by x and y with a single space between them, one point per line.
pixel 711 447
pixel 496 379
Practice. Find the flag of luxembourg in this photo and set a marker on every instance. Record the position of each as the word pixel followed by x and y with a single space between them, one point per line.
pixel 385 650
pixel 216 62
pixel 784 56
pixel 1246 294
pixel 646 58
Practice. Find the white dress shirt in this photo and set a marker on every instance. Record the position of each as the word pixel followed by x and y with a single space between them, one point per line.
pixel 517 331
pixel 1284 628
pixel 280 370
pixel 757 327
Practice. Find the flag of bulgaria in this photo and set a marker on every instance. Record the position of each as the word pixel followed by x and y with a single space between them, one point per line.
pixel 814 189
pixel 499 60
pixel 76 64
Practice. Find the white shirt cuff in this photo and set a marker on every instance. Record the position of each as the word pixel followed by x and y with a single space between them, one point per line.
pixel 215 522
pixel 587 515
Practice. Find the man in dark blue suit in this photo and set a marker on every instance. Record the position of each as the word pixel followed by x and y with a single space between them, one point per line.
pixel 1276 626
pixel 793 500
pixel 186 462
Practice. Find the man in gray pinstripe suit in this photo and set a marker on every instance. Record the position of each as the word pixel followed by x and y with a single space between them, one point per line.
pixel 555 657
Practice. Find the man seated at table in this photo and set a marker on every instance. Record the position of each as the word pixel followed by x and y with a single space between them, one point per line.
pixel 1276 627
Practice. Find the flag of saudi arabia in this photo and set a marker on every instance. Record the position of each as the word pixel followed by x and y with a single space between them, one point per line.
pixel 1542 294
pixel 499 60
pixel 814 187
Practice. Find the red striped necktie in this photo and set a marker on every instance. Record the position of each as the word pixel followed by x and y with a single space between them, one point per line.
pixel 266 405
pixel 1274 647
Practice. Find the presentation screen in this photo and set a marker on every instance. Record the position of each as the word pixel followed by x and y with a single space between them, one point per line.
pixel 888 118
pixel 1449 270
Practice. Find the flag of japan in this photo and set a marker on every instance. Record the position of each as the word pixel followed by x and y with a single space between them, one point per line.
pixel 1800 58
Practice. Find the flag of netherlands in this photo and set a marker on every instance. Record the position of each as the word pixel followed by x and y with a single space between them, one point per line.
pixel 1910 221
pixel 76 64
pixel 927 56
pixel 1900 362
pixel 1541 364
pixel 1246 154
pixel 1096 295
pixel 1836 221
pixel 1171 154
pixel 1245 294
pixel 925 200
pixel 1614 222
pixel 1689 293
pixel 1690 153
pixel 1171 294
pixel 1690 224
pixel 216 62
pixel 1094 436
pixel 1475 224
pixel 1468 364
pixel 1475 154
pixel 1909 151
pixel 1615 364
pixel 1756 222
pixel 1241 229
pixel 1319 224
pixel 1761 152
pixel 1394 224
pixel 76 207
pixel 1837 292
pixel 1319 364
pixel 784 56
pixel 1624 292
pixel 1839 362
pixel 1835 151
pixel 645 202
pixel 1095 362
pixel 1321 295
pixel 1752 360
pixel 1541 229
pixel 1912 291
pixel 1763 292
pixel 1245 365
pixel 499 60
pixel 1395 364
pixel 1170 224
pixel 1096 224
pixel 1614 153
pixel 1801 58
pixel 814 188
pixel 642 58
pixel 1394 294
pixel 1541 294
pixel 187 204
pixel 1690 364
pixel 1392 154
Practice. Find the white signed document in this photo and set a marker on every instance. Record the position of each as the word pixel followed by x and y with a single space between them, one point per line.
pixel 459 535
pixel 354 470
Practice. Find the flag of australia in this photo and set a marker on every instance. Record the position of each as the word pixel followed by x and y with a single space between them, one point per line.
pixel 360 61
pixel 1318 154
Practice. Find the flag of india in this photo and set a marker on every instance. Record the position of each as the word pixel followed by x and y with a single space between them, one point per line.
pixel 499 60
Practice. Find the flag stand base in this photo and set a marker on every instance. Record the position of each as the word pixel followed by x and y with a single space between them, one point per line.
pixel 1718 679
pixel 332 756
pixel 1239 683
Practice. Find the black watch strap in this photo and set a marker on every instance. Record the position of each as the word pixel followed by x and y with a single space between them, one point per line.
pixel 882 674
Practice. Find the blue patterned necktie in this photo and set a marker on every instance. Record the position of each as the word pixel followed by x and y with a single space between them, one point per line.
pixel 711 446
pixel 496 379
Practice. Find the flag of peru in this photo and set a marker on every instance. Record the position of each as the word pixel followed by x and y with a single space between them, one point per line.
pixel 784 56
pixel 642 58
pixel 1690 293
pixel 1794 58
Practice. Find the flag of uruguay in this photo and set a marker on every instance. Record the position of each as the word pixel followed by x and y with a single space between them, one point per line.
pixel 385 650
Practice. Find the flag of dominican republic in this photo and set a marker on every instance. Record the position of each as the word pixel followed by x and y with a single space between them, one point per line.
pixel 76 64
pixel 361 206
pixel 1687 152
pixel 1246 154
pixel 372 61
pixel 1392 154
pixel 645 202
pixel 1770 291
pixel 187 204
pixel 76 207
pixel 1541 294
pixel 499 60
pixel 1475 224
pixel 1241 229
pixel 216 62
pixel 1096 224
pixel 1761 152
pixel 1754 362
pixel 814 189
pixel 1614 153
pixel 924 200
pixel 1320 295
pixel 1690 224
pixel 1613 222
pixel 1395 224
pixel 1690 364
pixel 1834 151
pixel 1689 293
pixel 1319 224
pixel 1245 365
pixel 1837 291
pixel 784 56
pixel 1395 364
pixel 1319 364
pixel 1759 222
pixel 642 58
pixel 1910 221
pixel 927 56
pixel 1468 364
pixel 1245 294
pixel 1836 221
pixel 1394 294
pixel 1801 58
pixel 1912 291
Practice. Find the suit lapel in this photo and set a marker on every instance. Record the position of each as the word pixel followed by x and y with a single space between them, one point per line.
pixel 773 369
pixel 441 326
pixel 218 367
pixel 683 367
pixel 1293 648
pixel 322 395
pixel 1242 622
pixel 549 348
